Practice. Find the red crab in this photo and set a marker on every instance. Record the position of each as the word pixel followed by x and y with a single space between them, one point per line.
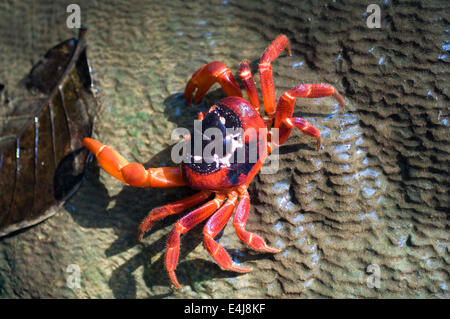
pixel 228 181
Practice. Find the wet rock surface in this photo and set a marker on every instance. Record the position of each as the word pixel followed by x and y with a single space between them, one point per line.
pixel 373 199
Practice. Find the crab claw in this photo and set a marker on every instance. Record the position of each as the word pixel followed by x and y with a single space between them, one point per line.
pixel 133 174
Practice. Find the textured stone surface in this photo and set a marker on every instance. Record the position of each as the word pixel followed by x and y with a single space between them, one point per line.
pixel 376 193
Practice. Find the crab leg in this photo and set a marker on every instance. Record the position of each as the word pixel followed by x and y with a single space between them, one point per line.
pixel 182 226
pixel 265 72
pixel 133 174
pixel 174 208
pixel 206 76
pixel 246 76
pixel 239 222
pixel 286 104
pixel 214 225
pixel 288 123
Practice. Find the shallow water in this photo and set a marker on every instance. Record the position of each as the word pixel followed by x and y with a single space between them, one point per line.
pixel 374 197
